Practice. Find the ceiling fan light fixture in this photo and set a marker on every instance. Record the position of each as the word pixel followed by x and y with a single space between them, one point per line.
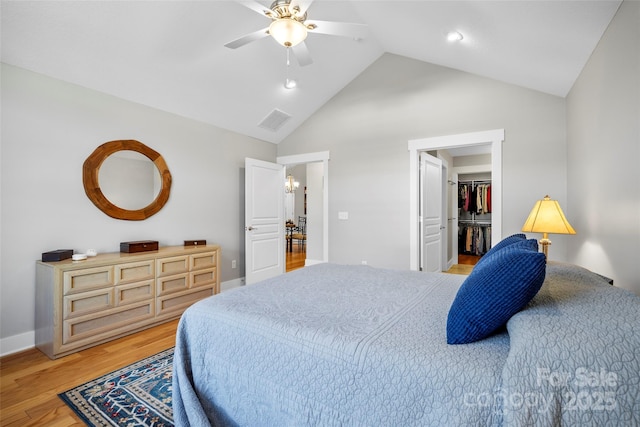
pixel 288 32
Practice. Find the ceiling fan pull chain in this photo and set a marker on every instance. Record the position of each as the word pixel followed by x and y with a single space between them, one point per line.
pixel 289 83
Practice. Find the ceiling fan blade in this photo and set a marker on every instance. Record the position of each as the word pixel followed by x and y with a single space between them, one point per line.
pixel 338 28
pixel 246 39
pixel 301 52
pixel 256 7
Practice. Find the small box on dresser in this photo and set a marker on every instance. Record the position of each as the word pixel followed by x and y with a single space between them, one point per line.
pixel 139 246
pixel 80 304
pixel 57 255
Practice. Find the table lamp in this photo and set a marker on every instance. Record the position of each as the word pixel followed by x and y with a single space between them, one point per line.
pixel 547 217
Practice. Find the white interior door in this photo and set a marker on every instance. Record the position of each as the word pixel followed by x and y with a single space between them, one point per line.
pixel 431 212
pixel 264 220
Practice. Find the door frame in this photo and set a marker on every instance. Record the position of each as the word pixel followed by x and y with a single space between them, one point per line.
pixel 320 156
pixel 494 138
pixel 444 230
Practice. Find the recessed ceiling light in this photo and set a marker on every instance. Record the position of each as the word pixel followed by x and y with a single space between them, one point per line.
pixel 290 84
pixel 454 36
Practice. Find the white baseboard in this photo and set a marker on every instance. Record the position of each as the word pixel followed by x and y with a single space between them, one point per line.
pixel 308 262
pixel 449 264
pixel 16 343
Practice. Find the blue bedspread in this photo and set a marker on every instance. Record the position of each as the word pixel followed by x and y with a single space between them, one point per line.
pixel 575 354
pixel 334 345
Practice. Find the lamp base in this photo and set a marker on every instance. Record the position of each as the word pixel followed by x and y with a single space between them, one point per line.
pixel 545 243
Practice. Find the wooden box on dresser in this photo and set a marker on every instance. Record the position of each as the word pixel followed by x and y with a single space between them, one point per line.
pixel 80 304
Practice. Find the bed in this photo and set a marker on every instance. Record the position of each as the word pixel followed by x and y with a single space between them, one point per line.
pixel 340 345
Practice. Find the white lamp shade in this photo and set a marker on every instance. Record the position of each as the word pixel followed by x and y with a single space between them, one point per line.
pixel 547 217
pixel 288 32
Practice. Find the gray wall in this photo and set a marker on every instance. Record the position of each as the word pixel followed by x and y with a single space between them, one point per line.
pixel 603 116
pixel 366 128
pixel 49 128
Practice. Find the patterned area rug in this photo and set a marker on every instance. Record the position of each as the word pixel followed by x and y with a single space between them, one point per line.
pixel 136 395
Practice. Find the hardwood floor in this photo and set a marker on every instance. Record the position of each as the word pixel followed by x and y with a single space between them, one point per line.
pixel 30 381
pixel 295 258
pixel 468 259
pixel 460 269
pixel 465 264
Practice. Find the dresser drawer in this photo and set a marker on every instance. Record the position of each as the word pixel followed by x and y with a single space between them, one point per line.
pixel 87 279
pixel 170 304
pixel 109 322
pixel 202 277
pixel 203 260
pixel 171 284
pixel 87 302
pixel 134 292
pixel 134 271
pixel 171 266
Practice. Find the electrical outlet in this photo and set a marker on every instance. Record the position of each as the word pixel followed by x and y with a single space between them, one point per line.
pixel 364 262
pixel 233 264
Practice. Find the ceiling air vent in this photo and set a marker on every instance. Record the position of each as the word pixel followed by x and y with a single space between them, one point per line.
pixel 274 120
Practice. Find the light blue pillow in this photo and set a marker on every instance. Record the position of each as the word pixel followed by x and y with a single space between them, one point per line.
pixel 494 291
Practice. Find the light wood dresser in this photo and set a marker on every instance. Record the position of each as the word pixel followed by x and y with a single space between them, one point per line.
pixel 80 304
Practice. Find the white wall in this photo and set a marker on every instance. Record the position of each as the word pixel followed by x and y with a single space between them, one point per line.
pixel 49 128
pixel 300 174
pixel 368 124
pixel 315 212
pixel 603 114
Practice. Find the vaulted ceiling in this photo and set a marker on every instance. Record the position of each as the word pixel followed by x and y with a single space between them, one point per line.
pixel 170 55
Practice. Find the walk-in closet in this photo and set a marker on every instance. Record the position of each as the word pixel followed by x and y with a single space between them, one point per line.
pixel 474 214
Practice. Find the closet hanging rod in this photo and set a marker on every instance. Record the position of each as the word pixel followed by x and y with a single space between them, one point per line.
pixel 480 181
pixel 474 222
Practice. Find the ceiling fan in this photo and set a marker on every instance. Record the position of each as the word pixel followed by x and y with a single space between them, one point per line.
pixel 289 27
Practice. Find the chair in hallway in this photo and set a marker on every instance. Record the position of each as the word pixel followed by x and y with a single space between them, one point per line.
pixel 300 233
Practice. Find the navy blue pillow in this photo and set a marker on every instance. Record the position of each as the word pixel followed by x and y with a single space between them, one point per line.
pixel 494 291
pixel 514 238
pixel 530 244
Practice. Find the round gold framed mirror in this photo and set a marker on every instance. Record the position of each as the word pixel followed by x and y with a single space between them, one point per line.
pixel 159 180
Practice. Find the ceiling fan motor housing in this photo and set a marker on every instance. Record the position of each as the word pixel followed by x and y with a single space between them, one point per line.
pixel 283 9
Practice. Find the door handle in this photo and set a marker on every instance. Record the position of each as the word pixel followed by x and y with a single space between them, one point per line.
pixel 249 228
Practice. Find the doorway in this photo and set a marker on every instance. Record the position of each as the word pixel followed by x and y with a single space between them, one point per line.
pixel 317 203
pixel 296 216
pixel 264 215
pixel 492 139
